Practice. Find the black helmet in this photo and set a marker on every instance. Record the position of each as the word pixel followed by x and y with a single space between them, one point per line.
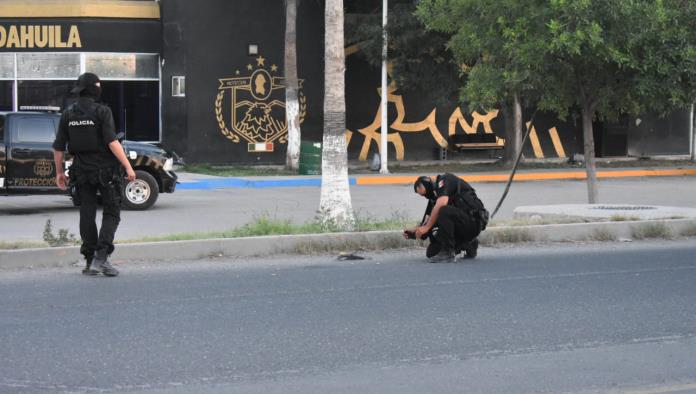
pixel 87 85
pixel 427 183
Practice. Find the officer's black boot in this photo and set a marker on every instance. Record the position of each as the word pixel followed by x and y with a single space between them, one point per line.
pixel 102 264
pixel 446 255
pixel 433 249
pixel 472 249
pixel 88 267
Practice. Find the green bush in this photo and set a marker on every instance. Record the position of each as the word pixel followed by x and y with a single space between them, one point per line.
pixel 62 239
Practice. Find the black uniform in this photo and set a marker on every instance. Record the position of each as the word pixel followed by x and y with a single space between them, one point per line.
pixel 87 128
pixel 461 220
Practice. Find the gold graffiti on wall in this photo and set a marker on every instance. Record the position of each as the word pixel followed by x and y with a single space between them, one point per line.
pixel 257 107
pixel 457 120
pixel 429 124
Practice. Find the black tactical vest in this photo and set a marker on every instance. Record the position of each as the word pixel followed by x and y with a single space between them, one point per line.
pixel 84 131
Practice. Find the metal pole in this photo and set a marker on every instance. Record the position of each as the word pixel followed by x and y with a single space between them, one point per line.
pixel 385 93
pixel 692 137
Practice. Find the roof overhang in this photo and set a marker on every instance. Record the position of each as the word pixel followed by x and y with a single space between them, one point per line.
pixel 127 9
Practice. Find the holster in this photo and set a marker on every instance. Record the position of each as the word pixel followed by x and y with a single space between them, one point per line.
pixel 73 188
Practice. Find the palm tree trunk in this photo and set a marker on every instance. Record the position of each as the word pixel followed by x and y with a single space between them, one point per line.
pixel 588 138
pixel 335 203
pixel 517 115
pixel 292 106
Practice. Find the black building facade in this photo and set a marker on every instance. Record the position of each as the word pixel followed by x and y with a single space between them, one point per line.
pixel 206 79
pixel 45 46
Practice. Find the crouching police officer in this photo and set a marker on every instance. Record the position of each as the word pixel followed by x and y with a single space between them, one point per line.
pixel 87 128
pixel 453 218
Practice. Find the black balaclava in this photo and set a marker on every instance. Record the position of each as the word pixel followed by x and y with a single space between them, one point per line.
pixel 92 91
pixel 427 183
pixel 87 86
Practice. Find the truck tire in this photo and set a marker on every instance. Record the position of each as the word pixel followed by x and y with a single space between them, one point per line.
pixel 140 194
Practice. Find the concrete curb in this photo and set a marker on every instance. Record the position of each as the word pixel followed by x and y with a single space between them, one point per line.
pixel 364 180
pixel 283 244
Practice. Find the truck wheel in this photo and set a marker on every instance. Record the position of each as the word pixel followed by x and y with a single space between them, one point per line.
pixel 140 194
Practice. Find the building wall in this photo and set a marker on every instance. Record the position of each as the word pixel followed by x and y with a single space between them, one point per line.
pixel 225 120
pixel 419 125
pixel 226 113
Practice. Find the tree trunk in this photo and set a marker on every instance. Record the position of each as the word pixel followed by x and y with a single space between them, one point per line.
pixel 517 114
pixel 335 207
pixel 292 106
pixel 509 151
pixel 588 138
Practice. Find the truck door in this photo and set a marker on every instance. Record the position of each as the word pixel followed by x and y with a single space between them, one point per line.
pixel 30 155
pixel 3 166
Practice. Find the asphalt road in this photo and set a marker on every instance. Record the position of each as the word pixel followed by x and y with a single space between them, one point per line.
pixel 24 218
pixel 617 317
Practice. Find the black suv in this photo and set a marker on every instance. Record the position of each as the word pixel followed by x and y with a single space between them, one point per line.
pixel 26 161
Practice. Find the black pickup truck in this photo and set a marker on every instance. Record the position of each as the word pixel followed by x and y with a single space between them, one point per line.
pixel 26 161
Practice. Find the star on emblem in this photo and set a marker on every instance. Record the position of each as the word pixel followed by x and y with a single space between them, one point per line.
pixel 260 61
pixel 274 68
pixel 250 67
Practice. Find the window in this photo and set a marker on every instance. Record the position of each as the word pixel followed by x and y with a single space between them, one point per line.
pixel 178 86
pixel 48 65
pixel 44 93
pixel 7 65
pixel 123 65
pixel 33 129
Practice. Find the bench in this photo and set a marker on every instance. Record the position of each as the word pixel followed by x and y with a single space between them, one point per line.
pixel 460 142
pixel 465 142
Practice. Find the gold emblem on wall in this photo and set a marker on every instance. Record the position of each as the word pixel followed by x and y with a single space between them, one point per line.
pixel 43 168
pixel 257 107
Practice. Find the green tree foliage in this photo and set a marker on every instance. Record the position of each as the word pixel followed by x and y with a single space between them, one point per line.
pixel 419 58
pixel 599 57
pixel 497 43
pixel 611 57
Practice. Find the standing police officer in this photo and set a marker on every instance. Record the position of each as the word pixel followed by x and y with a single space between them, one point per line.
pixel 453 219
pixel 87 128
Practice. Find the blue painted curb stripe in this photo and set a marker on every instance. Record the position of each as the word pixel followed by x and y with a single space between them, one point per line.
pixel 227 183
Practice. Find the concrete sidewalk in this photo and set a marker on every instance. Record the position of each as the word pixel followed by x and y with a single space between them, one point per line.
pixel 192 181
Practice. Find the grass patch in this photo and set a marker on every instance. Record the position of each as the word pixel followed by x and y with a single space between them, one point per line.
pixel 536 220
pixel 622 218
pixel 690 231
pixel 602 234
pixel 208 169
pixel 651 230
pixel 22 245
pixel 508 235
pixel 62 238
pixel 266 224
